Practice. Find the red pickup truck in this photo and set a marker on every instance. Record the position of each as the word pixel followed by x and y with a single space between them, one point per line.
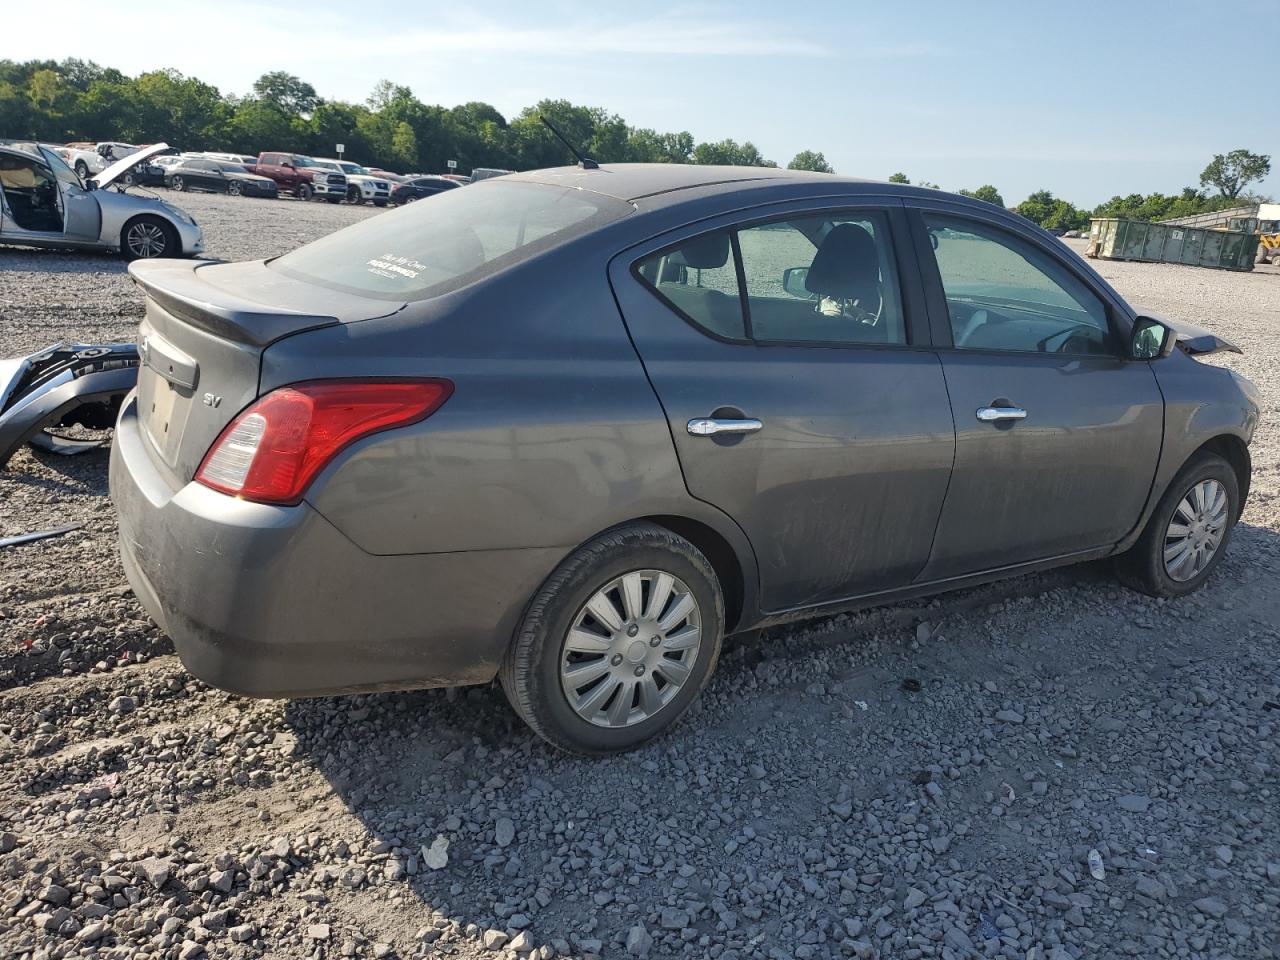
pixel 298 175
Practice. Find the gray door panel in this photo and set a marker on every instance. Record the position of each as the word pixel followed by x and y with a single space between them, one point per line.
pixel 840 490
pixel 1075 474
pixel 82 215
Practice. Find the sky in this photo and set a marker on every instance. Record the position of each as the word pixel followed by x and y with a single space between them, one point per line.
pixel 1086 99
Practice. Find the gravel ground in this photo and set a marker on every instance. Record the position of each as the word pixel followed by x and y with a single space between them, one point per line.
pixel 924 780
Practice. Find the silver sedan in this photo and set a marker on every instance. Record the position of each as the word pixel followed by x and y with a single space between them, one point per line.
pixel 44 203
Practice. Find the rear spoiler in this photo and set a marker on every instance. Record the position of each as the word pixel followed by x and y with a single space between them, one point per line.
pixel 177 287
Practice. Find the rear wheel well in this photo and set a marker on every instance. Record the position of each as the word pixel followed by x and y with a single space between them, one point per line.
pixel 719 553
pixel 1233 450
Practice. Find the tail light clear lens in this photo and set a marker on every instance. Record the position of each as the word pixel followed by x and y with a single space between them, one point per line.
pixel 274 448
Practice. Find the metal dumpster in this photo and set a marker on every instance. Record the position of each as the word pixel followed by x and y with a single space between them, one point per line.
pixel 1114 238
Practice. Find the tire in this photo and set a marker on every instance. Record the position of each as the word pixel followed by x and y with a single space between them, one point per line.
pixel 333 199
pixel 380 203
pixel 305 191
pixel 1143 567
pixel 234 188
pixel 354 196
pixel 643 554
pixel 82 170
pixel 129 179
pixel 410 198
pixel 149 238
pixel 178 184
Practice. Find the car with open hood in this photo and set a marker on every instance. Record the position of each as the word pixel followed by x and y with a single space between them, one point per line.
pixel 570 428
pixel 45 203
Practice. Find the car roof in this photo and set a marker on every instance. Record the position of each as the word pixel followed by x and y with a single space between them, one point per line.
pixel 633 181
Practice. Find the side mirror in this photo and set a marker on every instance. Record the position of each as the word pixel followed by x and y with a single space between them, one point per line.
pixel 933 240
pixel 793 281
pixel 1150 339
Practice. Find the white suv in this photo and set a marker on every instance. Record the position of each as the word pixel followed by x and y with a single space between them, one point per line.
pixel 362 185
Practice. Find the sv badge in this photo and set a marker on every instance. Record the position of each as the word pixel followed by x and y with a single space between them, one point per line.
pixel 211 400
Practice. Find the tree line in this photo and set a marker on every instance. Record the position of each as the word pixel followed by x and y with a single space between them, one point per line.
pixel 1224 184
pixel 69 100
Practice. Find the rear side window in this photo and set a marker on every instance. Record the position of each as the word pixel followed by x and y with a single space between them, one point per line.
pixel 820 279
pixel 425 250
pixel 700 279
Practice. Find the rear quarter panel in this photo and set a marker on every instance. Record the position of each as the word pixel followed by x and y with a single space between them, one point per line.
pixel 552 434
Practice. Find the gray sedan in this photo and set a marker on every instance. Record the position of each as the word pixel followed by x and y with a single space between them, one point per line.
pixel 570 428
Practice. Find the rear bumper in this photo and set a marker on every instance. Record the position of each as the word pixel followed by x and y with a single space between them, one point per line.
pixel 275 601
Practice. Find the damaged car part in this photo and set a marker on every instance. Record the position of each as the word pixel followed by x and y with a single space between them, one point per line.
pixel 65 385
pixel 38 535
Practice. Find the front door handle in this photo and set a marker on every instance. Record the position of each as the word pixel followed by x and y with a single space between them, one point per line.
pixel 710 426
pixel 995 414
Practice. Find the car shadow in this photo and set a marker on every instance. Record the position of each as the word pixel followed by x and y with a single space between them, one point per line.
pixel 578 850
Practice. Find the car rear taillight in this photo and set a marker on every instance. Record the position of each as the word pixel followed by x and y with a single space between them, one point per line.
pixel 272 451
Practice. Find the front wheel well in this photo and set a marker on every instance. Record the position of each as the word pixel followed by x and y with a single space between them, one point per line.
pixel 1236 452
pixel 721 556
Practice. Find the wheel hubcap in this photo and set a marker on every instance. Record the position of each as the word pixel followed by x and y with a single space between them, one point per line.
pixel 146 240
pixel 1195 530
pixel 631 648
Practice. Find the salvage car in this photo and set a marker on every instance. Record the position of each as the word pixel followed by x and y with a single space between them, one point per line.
pixel 420 187
pixel 44 203
pixel 91 158
pixel 571 427
pixel 217 176
pixel 362 183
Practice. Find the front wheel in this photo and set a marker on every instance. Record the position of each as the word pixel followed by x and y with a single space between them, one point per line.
pixel 234 188
pixel 617 643
pixel 148 238
pixel 1188 533
pixel 354 195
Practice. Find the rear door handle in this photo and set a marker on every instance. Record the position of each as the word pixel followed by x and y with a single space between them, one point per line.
pixel 993 414
pixel 709 426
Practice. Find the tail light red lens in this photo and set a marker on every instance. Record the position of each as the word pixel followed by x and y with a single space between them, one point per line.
pixel 272 451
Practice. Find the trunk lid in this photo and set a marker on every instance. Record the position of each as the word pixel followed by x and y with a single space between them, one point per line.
pixel 201 344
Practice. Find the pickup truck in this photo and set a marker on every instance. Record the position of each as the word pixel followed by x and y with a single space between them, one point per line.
pixel 300 176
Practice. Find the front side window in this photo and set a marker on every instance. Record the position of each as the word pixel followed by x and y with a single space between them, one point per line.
pixel 820 279
pixel 427 249
pixel 1005 294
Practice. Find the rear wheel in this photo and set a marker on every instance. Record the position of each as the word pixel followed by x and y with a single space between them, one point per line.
pixel 618 642
pixel 333 199
pixel 148 238
pixel 178 184
pixel 379 203
pixel 82 170
pixel 305 191
pixel 1188 533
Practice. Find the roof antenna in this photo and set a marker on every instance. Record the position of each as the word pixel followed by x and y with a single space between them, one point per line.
pixel 586 163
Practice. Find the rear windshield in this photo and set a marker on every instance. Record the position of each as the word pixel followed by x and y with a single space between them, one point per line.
pixel 449 240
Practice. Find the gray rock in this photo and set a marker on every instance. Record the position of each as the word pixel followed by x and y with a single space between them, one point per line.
pixel 504 832
pixel 154 870
pixel 1134 803
pixel 1223 853
pixel 1010 716
pixel 1211 907
pixel 122 705
pixel 1150 888
pixel 673 919
pixel 318 931
pixel 639 941
pixel 55 894
pixel 242 933
pixel 494 939
pixel 190 950
pixel 92 932
pixel 914 898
